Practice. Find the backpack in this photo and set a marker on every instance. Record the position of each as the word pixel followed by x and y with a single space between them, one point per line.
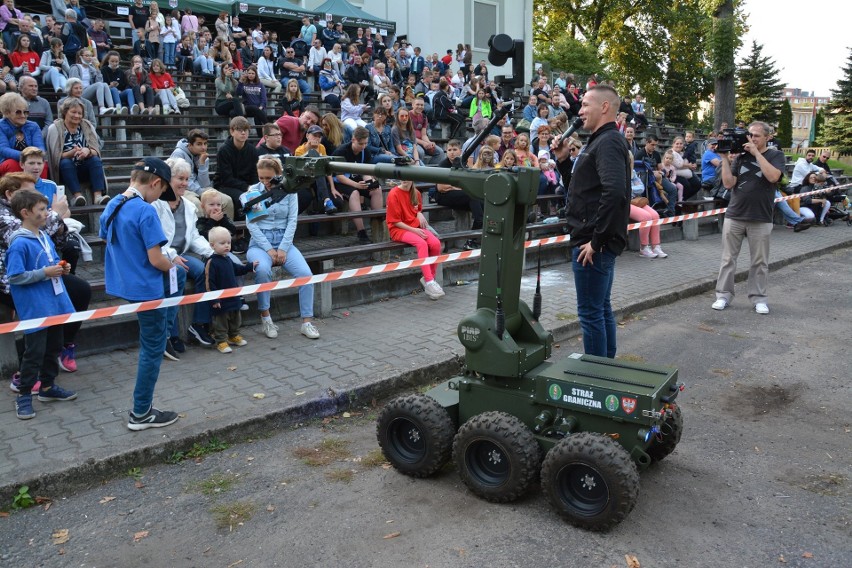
pixel 72 44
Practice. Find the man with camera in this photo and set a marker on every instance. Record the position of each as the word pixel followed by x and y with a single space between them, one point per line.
pixel 752 175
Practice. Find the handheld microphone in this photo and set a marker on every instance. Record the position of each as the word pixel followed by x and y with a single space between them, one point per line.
pixel 575 126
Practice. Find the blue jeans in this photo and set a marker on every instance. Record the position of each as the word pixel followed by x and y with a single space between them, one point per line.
pixel 787 211
pixel 303 85
pixel 203 64
pixel 383 159
pixel 295 265
pixel 126 96
pixel 73 172
pixel 671 193
pixel 594 285
pixel 168 53
pixel 153 333
pixel 201 311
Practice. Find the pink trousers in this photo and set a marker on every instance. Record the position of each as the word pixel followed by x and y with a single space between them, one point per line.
pixel 431 246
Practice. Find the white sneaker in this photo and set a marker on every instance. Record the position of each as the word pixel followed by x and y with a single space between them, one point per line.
pixel 720 304
pixel 433 290
pixel 309 331
pixel 646 252
pixel 761 308
pixel 104 111
pixel 134 110
pixel 269 328
pixel 166 109
pixel 659 252
pixel 121 110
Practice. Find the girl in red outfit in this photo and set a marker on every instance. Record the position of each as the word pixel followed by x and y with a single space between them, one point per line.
pixel 407 225
pixel 163 84
pixel 24 60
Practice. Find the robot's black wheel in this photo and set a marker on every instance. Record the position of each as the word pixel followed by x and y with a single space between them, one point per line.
pixel 672 429
pixel 497 456
pixel 590 480
pixel 415 434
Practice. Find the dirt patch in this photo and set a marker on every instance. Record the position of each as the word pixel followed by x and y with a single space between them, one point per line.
pixel 762 400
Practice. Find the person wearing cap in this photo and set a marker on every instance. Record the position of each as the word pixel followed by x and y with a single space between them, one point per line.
pixel 136 270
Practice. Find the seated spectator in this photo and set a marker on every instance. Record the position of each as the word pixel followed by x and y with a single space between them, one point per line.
pixel 227 101
pixel 404 138
pixel 40 111
pixel 542 140
pixel 202 62
pixel 16 132
pixel 266 71
pixel 455 198
pixel 315 56
pixel 73 151
pixel 94 88
pixel 140 82
pixel 640 211
pixel 163 86
pixel 803 167
pixel 670 173
pixel 814 206
pixel 639 112
pixel 359 74
pixel 179 218
pixel 335 55
pixel 193 150
pixel 322 187
pixel 406 224
pixel 253 95
pixel 710 161
pixel 235 162
pixel 116 79
pixel 381 82
pixel 531 111
pixel 293 68
pixel 293 129
pixel 526 158
pixel 380 143
pixel 7 79
pixel 291 103
pixel 74 90
pixel 272 245
pixel 627 108
pixel 630 137
pixel 334 132
pixel 649 154
pixel 351 107
pixel 430 152
pixel 54 67
pixel 445 111
pixel 184 56
pixel 690 150
pixel 572 97
pixel 508 160
pixel 685 176
pixel 621 122
pixel 100 38
pixel 821 162
pixel 331 85
pixel 24 60
pixel 541 92
pixel 357 188
pixel 10 18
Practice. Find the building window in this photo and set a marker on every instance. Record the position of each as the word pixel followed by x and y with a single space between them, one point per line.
pixel 484 23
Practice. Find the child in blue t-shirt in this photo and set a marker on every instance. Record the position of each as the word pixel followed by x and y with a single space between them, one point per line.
pixel 35 278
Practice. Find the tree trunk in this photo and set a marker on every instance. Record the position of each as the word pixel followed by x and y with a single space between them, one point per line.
pixel 725 87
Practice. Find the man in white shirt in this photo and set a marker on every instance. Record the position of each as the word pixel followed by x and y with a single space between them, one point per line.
pixel 315 57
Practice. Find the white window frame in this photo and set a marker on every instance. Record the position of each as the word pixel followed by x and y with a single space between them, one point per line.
pixel 496 5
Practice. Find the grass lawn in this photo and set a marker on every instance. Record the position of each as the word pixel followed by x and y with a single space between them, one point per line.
pixel 831 163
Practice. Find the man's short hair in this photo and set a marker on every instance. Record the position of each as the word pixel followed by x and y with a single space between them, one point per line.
pixel 195 134
pixel 314 109
pixel 608 94
pixel 360 133
pixel 31 152
pixel 651 138
pixel 239 123
pixel 26 199
pixel 767 130
pixel 810 151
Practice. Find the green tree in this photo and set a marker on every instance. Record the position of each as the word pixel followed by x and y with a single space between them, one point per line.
pixel 569 54
pixel 758 88
pixel 837 131
pixel 819 123
pixel 784 133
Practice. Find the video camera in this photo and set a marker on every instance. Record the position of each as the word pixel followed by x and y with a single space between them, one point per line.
pixel 732 141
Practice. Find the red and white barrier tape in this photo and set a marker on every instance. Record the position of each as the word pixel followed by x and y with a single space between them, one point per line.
pixel 101 313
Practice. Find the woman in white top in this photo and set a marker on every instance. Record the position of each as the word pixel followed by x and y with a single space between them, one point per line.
pixel 381 81
pixel 336 56
pixel 94 88
pixel 266 70
pixel 684 169
pixel 350 109
pixel 169 35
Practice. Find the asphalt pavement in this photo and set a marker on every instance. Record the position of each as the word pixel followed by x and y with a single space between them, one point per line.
pixel 364 353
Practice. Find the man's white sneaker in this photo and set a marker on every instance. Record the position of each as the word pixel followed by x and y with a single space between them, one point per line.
pixel 659 252
pixel 720 304
pixel 761 308
pixel 646 252
pixel 309 331
pixel 269 328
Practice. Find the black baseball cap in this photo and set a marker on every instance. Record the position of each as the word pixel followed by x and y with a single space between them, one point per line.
pixel 162 170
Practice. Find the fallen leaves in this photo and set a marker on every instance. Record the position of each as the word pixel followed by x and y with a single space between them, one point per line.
pixel 392 535
pixel 632 561
pixel 270 508
pixel 106 500
pixel 139 535
pixel 60 536
pixel 232 368
pixel 259 395
pixel 807 555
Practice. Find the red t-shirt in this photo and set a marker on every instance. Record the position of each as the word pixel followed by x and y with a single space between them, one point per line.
pixel 419 122
pixel 291 131
pixel 400 210
pixel 31 58
pixel 161 81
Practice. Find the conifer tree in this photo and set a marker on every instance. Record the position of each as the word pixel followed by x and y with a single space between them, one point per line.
pixel 758 88
pixel 784 132
pixel 837 130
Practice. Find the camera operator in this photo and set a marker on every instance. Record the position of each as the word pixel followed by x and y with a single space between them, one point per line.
pixel 753 175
